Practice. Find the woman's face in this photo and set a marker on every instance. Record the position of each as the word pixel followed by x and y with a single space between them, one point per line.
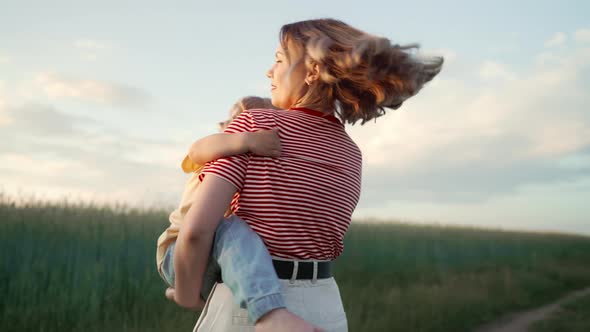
pixel 287 78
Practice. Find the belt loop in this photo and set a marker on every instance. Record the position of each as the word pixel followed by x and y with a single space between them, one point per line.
pixel 295 270
pixel 315 272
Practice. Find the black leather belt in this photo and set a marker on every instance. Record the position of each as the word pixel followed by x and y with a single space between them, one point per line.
pixel 304 269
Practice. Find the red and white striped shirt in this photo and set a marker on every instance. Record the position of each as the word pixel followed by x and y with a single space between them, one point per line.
pixel 300 204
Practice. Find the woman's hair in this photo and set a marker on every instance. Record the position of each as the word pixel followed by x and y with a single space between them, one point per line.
pixel 246 103
pixel 359 74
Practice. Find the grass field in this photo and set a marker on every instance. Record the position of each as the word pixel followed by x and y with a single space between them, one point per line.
pixel 67 267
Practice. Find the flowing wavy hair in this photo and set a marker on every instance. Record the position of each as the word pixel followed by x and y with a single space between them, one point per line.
pixel 359 74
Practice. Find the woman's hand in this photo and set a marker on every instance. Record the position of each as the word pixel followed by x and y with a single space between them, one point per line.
pixel 265 143
pixel 170 295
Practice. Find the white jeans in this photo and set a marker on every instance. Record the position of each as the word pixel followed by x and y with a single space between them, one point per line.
pixel 317 303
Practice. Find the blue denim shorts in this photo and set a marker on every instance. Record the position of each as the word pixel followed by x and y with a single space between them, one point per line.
pixel 241 259
pixel 212 273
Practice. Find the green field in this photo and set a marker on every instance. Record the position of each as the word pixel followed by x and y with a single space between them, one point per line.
pixel 68 266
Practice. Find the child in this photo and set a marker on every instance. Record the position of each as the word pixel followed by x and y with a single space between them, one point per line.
pixel 254 260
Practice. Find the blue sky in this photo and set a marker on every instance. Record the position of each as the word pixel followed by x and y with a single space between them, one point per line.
pixel 100 101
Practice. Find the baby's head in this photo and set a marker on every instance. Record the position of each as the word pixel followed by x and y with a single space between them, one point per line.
pixel 246 103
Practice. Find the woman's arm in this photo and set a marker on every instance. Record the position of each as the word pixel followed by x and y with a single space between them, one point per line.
pixel 264 143
pixel 195 238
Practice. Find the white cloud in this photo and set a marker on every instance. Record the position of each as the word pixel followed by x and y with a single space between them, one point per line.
pixel 49 152
pixel 3 94
pixel 452 111
pixel 560 206
pixel 546 58
pixel 508 48
pixel 35 166
pixel 558 39
pixel 93 91
pixel 494 70
pixel 461 140
pixel 92 49
pixel 39 120
pixel 560 139
pixel 89 44
pixel 5 118
pixel 582 36
pixel 89 185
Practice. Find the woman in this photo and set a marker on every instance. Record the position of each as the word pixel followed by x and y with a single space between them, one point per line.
pixel 326 74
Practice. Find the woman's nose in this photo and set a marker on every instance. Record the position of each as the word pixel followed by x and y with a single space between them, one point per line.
pixel 269 73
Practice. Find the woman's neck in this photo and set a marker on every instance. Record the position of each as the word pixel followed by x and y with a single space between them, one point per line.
pixel 326 109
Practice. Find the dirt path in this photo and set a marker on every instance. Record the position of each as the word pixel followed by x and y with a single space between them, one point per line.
pixel 520 322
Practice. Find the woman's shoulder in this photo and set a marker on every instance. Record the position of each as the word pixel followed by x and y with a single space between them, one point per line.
pixel 264 111
pixel 261 113
pixel 258 115
pixel 261 118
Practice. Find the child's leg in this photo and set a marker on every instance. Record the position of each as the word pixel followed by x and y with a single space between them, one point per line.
pixel 168 265
pixel 246 267
pixel 211 276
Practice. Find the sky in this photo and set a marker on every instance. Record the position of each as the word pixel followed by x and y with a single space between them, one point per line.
pixel 100 102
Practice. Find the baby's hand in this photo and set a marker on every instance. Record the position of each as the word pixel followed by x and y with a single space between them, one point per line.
pixel 265 143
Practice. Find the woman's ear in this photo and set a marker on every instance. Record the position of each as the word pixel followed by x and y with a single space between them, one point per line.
pixel 313 74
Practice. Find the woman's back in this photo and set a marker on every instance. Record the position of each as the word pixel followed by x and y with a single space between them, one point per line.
pixel 301 203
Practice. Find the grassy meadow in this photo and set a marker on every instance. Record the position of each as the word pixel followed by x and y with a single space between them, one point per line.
pixel 67 267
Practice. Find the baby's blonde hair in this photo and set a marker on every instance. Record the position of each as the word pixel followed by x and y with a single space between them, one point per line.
pixel 246 103
pixel 359 74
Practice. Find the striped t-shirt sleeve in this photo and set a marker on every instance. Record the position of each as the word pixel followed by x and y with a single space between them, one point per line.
pixel 232 169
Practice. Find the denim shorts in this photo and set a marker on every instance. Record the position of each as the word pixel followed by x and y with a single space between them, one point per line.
pixel 240 259
pixel 212 273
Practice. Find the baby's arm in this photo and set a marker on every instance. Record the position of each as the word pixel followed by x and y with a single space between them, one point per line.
pixel 264 143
